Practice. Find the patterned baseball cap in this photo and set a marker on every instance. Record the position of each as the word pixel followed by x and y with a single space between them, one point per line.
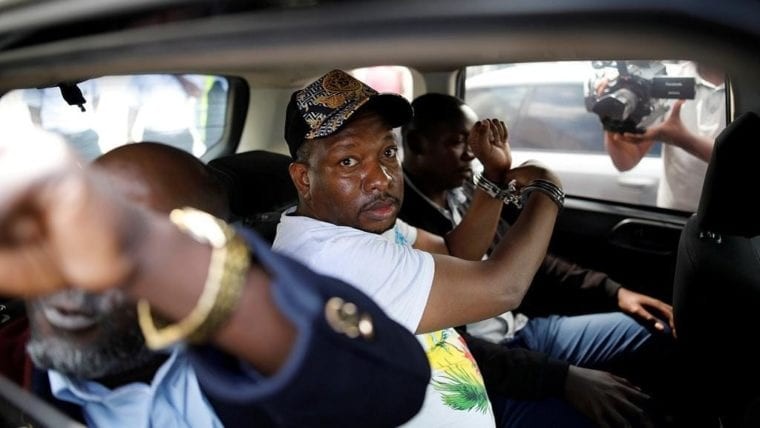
pixel 323 107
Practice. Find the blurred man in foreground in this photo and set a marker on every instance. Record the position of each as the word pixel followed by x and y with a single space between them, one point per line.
pixel 279 331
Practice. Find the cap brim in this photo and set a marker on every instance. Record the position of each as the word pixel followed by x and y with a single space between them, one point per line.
pixel 393 107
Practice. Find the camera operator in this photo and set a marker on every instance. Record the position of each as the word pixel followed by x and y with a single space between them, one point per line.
pixel 688 135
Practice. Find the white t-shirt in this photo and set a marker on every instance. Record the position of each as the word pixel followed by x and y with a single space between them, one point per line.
pixel 398 278
pixel 705 115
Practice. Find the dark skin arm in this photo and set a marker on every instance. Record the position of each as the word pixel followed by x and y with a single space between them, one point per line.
pixel 567 288
pixel 498 284
pixel 59 225
pixel 473 235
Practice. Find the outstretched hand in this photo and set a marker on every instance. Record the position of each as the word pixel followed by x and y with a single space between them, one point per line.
pixel 488 140
pixel 671 131
pixel 608 400
pixel 642 307
pixel 58 227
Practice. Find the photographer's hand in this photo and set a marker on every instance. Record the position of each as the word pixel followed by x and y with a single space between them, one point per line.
pixel 626 150
pixel 673 131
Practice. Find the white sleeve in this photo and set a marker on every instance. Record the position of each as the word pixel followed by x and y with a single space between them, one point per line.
pixel 407 231
pixel 397 277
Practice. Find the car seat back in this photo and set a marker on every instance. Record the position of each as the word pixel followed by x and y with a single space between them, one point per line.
pixel 259 188
pixel 716 291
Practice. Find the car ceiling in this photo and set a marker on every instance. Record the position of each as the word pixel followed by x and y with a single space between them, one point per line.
pixel 286 42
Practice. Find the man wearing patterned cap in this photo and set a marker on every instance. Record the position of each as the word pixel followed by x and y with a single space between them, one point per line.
pixel 350 188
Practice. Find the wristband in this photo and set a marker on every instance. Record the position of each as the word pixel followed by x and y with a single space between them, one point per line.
pixel 544 186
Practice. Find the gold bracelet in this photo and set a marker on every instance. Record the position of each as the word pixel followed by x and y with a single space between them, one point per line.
pixel 226 278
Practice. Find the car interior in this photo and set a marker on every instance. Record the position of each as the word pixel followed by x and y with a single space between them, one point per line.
pixel 246 58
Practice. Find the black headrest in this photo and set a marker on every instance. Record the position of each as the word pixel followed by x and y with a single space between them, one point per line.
pixel 258 181
pixel 732 181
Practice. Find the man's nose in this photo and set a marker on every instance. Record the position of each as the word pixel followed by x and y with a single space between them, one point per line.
pixel 379 177
pixel 467 155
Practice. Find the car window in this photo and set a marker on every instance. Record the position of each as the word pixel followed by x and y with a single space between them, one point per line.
pixel 394 79
pixel 387 78
pixel 557 112
pixel 502 102
pixel 551 118
pixel 187 111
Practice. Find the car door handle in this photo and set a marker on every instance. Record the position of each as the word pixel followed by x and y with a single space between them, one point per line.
pixel 646 236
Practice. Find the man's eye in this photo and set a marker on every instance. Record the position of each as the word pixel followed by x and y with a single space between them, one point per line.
pixel 348 162
pixel 391 152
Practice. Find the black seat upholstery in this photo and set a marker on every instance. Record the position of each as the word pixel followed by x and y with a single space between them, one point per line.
pixel 259 187
pixel 717 282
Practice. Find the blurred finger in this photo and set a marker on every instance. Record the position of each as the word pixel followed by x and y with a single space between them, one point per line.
pixel 646 317
pixel 635 394
pixel 630 136
pixel 493 127
pixel 630 388
pixel 651 319
pixel 48 154
pixel 503 130
pixel 676 109
pixel 666 311
pixel 601 84
pixel 23 275
pixel 614 419
pixel 631 412
pixel 476 135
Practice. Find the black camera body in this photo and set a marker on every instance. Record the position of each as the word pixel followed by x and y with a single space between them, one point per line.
pixel 633 100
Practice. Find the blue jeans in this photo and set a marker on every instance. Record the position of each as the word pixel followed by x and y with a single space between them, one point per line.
pixel 598 341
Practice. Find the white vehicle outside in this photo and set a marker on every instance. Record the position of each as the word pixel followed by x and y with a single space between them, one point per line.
pixel 543 105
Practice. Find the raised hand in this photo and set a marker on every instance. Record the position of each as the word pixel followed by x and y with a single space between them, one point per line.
pixel 608 400
pixel 488 140
pixel 59 227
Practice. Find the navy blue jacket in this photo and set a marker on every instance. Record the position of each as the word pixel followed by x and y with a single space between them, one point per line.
pixel 330 379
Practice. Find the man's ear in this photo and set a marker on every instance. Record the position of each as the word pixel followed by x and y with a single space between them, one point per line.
pixel 299 173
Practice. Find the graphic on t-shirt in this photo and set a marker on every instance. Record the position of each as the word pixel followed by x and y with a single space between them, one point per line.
pixel 455 375
pixel 400 238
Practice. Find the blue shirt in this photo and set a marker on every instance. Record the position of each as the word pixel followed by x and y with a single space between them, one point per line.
pixel 329 378
pixel 173 399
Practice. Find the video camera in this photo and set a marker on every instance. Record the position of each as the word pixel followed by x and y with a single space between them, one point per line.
pixel 633 100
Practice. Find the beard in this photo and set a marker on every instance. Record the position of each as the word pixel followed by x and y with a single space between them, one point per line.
pixel 114 351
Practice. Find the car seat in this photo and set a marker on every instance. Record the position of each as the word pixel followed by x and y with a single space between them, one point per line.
pixel 259 188
pixel 716 291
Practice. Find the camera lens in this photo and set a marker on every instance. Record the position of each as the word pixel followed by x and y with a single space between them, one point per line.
pixel 617 105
